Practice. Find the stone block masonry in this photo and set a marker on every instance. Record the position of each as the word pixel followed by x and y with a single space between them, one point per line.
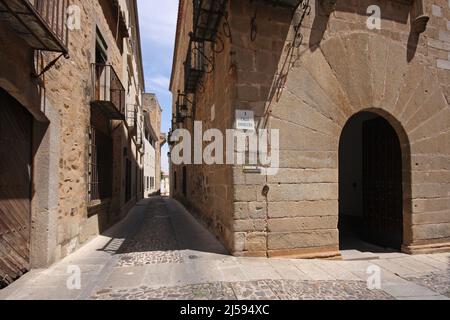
pixel 62 217
pixel 341 69
pixel 440 39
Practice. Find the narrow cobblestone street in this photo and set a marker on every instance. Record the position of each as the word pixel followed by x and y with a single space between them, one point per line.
pixel 161 252
pixel 225 150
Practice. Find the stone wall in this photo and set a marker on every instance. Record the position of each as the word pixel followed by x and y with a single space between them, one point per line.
pixel 256 63
pixel 155 113
pixel 60 104
pixel 340 69
pixel 68 87
pixel 309 92
pixel 209 188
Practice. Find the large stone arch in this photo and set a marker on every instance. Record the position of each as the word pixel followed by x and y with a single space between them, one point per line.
pixel 359 71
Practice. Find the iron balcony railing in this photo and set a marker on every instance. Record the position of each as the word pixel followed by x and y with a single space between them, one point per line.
pixel 170 134
pixel 135 121
pixel 196 65
pixel 131 117
pixel 108 93
pixel 100 165
pixel 139 131
pixel 183 106
pixel 207 17
pixel 41 23
pixel 182 103
pixel 178 118
pixel 54 13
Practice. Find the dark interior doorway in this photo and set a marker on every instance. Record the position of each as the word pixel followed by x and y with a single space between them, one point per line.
pixel 370 184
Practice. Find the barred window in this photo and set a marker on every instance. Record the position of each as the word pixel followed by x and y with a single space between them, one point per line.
pixel 100 165
pixel 128 180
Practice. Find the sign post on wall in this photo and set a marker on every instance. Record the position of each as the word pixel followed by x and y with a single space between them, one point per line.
pixel 245 120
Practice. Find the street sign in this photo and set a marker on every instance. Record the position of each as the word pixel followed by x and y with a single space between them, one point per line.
pixel 245 120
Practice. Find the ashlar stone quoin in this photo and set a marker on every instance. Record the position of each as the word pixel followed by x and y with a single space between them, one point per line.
pixel 363 120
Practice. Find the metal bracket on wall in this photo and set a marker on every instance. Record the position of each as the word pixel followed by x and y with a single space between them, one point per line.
pixel 49 66
pixel 303 11
pixel 419 17
pixel 420 23
pixel 252 170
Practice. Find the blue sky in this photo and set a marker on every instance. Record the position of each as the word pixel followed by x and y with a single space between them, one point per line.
pixel 158 23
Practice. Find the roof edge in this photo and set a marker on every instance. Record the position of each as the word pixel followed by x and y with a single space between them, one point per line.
pixel 177 38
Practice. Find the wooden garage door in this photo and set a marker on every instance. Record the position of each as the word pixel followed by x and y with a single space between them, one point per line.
pixel 382 180
pixel 15 188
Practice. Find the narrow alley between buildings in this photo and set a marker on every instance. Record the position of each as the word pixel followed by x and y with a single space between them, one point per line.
pixel 160 251
pixel 225 150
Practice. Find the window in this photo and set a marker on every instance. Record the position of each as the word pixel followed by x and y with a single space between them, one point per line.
pixel 134 178
pixel 152 183
pixel 101 49
pixel 127 180
pixel 101 59
pixel 175 180
pixel 116 21
pixel 100 166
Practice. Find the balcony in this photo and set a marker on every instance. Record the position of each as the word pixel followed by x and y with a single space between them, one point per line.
pixel 183 106
pixel 139 131
pixel 131 117
pixel 196 65
pixel 207 17
pixel 178 119
pixel 41 23
pixel 135 123
pixel 108 93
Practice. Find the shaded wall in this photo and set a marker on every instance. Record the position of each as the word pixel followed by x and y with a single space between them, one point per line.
pixel 60 104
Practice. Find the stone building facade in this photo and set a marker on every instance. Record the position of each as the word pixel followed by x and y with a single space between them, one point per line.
pixel 72 91
pixel 153 113
pixel 165 184
pixel 362 109
pixel 149 159
pixel 154 140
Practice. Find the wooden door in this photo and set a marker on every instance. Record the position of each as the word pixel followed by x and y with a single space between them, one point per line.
pixel 15 188
pixel 184 181
pixel 382 184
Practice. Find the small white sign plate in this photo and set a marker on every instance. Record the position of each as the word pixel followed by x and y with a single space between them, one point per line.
pixel 245 120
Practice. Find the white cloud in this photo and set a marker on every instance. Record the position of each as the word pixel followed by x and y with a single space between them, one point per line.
pixel 158 20
pixel 158 82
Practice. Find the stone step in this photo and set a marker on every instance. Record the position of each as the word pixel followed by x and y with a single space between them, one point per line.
pixel 355 255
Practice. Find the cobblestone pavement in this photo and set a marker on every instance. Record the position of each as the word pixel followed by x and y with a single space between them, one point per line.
pixel 254 290
pixel 160 252
pixel 153 242
pixel 146 258
pixel 438 282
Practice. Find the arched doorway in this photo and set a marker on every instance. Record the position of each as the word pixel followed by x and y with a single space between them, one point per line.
pixel 370 184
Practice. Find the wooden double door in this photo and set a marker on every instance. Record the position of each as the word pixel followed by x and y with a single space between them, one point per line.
pixel 15 188
pixel 382 184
